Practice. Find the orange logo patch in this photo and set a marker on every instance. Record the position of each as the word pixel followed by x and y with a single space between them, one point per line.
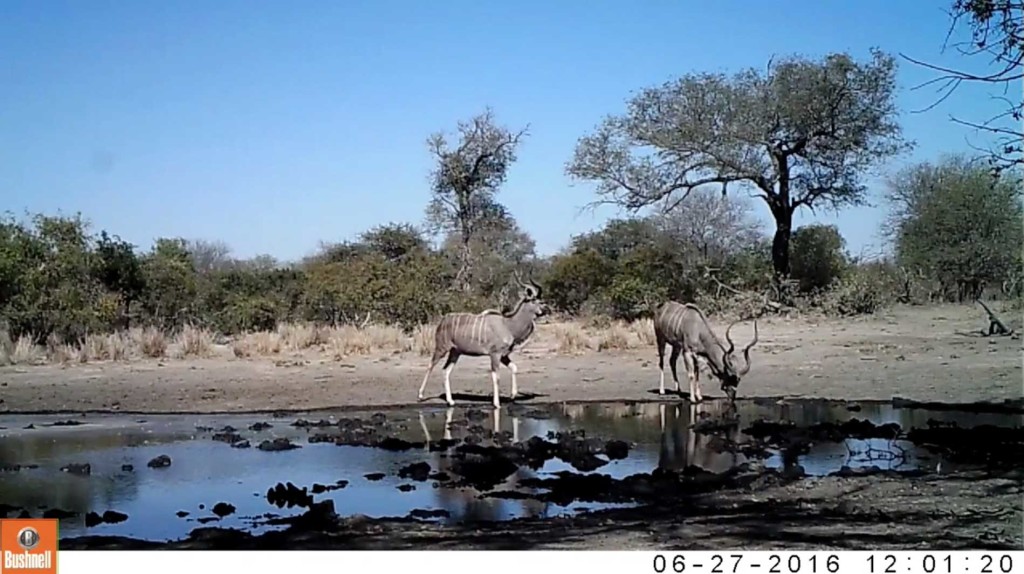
pixel 28 545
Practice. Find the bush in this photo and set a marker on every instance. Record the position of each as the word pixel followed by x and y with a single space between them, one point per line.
pixel 864 291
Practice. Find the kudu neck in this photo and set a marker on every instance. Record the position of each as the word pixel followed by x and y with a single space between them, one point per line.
pixel 714 348
pixel 519 320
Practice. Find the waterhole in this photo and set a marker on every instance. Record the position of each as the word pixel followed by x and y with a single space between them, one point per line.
pixel 166 474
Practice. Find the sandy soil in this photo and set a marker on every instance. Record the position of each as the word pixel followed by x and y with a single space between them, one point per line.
pixel 926 354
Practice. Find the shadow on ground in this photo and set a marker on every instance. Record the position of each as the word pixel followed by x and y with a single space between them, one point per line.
pixel 487 398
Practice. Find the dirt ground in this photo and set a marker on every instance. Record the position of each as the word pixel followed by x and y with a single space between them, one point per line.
pixel 925 354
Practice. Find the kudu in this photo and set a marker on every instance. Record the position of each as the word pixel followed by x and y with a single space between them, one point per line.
pixel 682 446
pixel 684 327
pixel 490 333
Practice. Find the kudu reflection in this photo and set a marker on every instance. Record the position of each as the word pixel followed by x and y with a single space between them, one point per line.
pixel 465 503
pixel 682 447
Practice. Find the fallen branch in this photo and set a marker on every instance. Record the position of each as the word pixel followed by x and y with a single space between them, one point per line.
pixel 995 326
pixel 709 272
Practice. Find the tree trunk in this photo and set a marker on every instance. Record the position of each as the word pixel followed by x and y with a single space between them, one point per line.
pixel 127 313
pixel 462 277
pixel 780 243
pixel 782 210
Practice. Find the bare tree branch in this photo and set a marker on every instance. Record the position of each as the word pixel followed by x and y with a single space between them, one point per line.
pixel 997 29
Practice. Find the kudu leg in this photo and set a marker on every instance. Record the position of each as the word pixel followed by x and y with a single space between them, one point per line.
pixel 691 436
pixel 512 367
pixel 426 432
pixel 495 361
pixel 448 414
pixel 438 354
pixel 673 360
pixel 453 357
pixel 690 362
pixel 661 364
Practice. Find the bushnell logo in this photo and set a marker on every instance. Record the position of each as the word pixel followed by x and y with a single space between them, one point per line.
pixel 29 545
pixel 28 538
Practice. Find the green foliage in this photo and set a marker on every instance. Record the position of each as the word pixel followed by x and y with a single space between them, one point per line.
pixel 818 258
pixel 630 265
pixel 119 270
pixel 800 135
pixel 958 224
pixel 394 278
pixel 172 284
pixel 863 291
pixel 465 183
pixel 575 278
pixel 631 297
pixel 395 241
pixel 497 249
pixel 49 283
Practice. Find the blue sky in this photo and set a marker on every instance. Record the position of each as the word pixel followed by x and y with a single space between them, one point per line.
pixel 273 125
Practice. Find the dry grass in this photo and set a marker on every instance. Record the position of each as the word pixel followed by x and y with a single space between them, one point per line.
pixel 339 342
pixel 21 352
pixel 571 338
pixel 349 340
pixel 108 347
pixel 644 331
pixel 618 336
pixel 563 337
pixel 193 341
pixel 150 341
pixel 66 353
pixel 302 336
pixel 423 339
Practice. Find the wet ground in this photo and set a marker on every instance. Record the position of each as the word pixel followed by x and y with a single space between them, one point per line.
pixel 169 477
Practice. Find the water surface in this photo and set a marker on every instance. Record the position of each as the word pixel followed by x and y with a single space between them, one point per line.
pixel 204 471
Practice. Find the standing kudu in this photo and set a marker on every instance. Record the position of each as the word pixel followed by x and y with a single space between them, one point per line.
pixel 491 333
pixel 684 327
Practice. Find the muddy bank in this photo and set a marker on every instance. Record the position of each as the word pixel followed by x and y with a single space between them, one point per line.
pixel 919 354
pixel 976 510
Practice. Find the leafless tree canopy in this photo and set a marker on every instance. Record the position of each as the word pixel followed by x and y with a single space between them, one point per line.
pixel 714 225
pixel 209 256
pixel 997 33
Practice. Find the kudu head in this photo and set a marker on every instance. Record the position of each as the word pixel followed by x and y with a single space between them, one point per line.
pixel 729 375
pixel 531 303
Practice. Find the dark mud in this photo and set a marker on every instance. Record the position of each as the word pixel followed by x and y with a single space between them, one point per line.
pixel 573 466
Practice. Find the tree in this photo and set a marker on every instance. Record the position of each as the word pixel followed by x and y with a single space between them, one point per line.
pixel 798 136
pixel 394 240
pixel 171 283
pixel 818 257
pixel 467 179
pixel 119 270
pixel 498 249
pixel 957 223
pixel 209 256
pixel 716 226
pixel 48 277
pixel 997 30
